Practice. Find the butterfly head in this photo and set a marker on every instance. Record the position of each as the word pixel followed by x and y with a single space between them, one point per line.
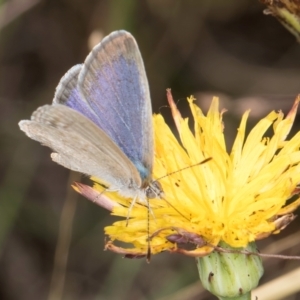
pixel 154 190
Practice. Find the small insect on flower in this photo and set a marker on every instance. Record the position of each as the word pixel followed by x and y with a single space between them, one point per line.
pixel 100 120
pixel 235 198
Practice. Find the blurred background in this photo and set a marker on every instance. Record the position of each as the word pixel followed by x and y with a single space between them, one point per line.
pixel 211 47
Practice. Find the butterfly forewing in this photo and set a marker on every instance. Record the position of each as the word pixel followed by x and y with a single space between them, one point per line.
pixel 114 73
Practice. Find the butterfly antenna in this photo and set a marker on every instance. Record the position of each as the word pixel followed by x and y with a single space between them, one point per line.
pixel 185 168
pixel 179 212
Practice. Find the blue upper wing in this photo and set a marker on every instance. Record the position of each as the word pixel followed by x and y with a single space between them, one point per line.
pixel 111 89
pixel 114 83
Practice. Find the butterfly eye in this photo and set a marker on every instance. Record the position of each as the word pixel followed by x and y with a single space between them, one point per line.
pixel 154 190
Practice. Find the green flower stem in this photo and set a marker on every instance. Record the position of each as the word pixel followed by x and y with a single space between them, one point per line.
pixel 230 275
pixel 287 12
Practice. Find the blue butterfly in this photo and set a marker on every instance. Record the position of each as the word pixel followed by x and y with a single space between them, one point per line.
pixel 100 121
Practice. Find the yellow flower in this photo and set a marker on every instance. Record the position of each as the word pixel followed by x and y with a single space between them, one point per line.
pixel 212 195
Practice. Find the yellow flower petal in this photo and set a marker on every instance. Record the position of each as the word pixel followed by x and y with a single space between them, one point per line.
pixel 234 197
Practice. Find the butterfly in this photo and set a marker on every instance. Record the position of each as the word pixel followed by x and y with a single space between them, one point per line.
pixel 100 120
